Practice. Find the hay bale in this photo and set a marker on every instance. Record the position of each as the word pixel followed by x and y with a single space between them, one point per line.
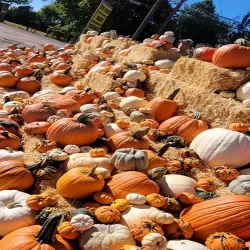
pixel 120 45
pixel 83 60
pixel 207 76
pixel 98 81
pixel 97 42
pixel 215 110
pixel 141 52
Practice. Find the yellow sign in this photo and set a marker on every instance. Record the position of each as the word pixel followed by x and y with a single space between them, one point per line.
pixel 100 16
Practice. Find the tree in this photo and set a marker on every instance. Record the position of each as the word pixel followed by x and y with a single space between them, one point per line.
pixel 200 23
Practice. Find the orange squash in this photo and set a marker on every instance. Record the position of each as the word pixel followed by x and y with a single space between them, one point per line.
pixel 135 92
pixel 204 53
pixel 61 78
pixel 7 79
pixel 29 84
pixel 230 213
pixel 164 108
pixel 130 182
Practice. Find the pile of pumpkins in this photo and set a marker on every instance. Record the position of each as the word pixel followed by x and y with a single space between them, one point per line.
pixel 128 194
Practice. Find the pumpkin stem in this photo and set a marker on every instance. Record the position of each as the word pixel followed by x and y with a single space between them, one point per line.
pixel 86 90
pixel 47 233
pixel 164 149
pixel 138 134
pixel 14 61
pixel 195 114
pixel 37 72
pixel 10 150
pixel 41 163
pixel 67 71
pixel 13 204
pixel 49 108
pixel 5 134
pixel 174 94
pixel 84 118
pixel 156 173
pixel 92 171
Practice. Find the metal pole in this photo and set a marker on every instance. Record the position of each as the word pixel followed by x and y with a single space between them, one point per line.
pixel 147 19
pixel 164 25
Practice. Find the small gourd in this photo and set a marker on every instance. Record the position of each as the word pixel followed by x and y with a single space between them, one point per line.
pixel 136 199
pixel 58 154
pixel 98 152
pixel 154 241
pixel 156 200
pixel 107 215
pixel 120 204
pixel 103 198
pixel 71 149
pixel 82 222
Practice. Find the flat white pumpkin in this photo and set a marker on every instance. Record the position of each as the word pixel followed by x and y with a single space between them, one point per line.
pixel 185 245
pixel 134 75
pixel 220 146
pixel 165 64
pixel 112 129
pixel 9 154
pixel 241 185
pixel 14 212
pixel 131 102
pixel 108 237
pixel 174 184
pixel 243 92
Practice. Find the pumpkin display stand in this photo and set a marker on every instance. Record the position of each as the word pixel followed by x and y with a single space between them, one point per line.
pixel 215 110
pixel 207 76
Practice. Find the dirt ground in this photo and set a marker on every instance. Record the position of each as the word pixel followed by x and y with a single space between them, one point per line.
pixel 13 35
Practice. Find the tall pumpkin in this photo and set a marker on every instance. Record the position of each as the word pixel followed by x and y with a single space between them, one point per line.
pixel 230 213
pixel 232 56
pixel 80 132
pixel 164 108
pixel 184 126
pixel 120 185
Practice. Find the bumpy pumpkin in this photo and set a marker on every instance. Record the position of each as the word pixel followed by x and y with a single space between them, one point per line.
pixel 224 240
pixel 107 215
pixel 240 127
pixel 120 185
pixel 230 212
pixel 123 123
pixel 91 206
pixel 154 241
pixel 103 198
pixel 156 200
pixel 136 199
pixel 225 173
pixel 163 108
pixel 82 222
pixel 66 230
pixel 130 159
pixel 77 132
pixel 207 184
pixel 97 152
pixel 82 96
pixel 149 123
pixel 120 204
pixel 144 226
pixel 40 201
pixel 77 184
pixel 45 146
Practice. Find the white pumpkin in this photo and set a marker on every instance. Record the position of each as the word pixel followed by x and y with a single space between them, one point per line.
pixel 15 94
pixel 154 241
pixel 43 92
pixel 245 171
pixel 89 108
pixel 92 33
pixel 243 92
pixel 185 245
pixel 9 154
pixel 106 113
pixel 136 212
pixel 165 64
pixel 71 149
pixel 112 129
pixel 220 146
pixel 8 106
pixel 174 184
pixel 241 185
pixel 67 89
pixel 82 222
pixel 108 237
pixel 110 96
pixel 4 114
pixel 136 199
pixel 246 102
pixel 133 102
pixel 134 75
pixel 14 212
pixel 58 154
pixel 104 172
pixel 85 160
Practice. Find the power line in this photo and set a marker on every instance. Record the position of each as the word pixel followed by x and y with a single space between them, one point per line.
pixel 220 8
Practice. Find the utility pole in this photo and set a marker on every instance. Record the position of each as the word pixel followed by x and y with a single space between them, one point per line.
pixel 147 19
pixel 164 25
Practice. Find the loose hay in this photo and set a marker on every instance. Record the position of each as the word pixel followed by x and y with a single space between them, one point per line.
pixel 207 76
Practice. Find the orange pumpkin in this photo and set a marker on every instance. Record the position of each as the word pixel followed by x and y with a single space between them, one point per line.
pixel 48 47
pixel 224 240
pixel 240 127
pixel 107 214
pixel 144 226
pixel 80 132
pixel 6 67
pixel 128 182
pixel 36 237
pixel 62 66
pixel 135 92
pixel 29 84
pixel 123 123
pixel 232 56
pixel 188 198
pixel 37 128
pixel 24 70
pixel 149 123
pixel 207 184
pixel 155 161
pixel 66 230
pixel 129 140
pixel 163 108
pixel 155 200
pixel 183 126
pixel 91 206
pixel 40 201
pixel 230 213
pixel 60 78
pixel 103 198
pixel 82 96
pixel 45 146
pixel 77 184
pixel 7 79
pixel 204 53
pixel 36 58
pixel 9 140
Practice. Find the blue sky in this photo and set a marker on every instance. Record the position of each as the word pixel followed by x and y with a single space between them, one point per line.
pixel 228 8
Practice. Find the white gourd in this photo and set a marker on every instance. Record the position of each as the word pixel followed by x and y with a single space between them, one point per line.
pixel 4 114
pixel 108 237
pixel 14 212
pixel 246 102
pixel 245 171
pixel 154 241
pixel 160 217
pixel 82 222
pixel 16 94
pixel 43 92
pixel 112 129
pixel 243 92
pixel 220 146
pixel 58 154
pixel 134 75
pixel 165 64
pixel 136 199
pixel 184 245
pixel 103 172
pixel 133 102
pixel 110 96
pixel 10 154
pixel 174 184
pixel 89 108
pixel 72 149
pixel 8 106
pixel 241 185
pixel 67 89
